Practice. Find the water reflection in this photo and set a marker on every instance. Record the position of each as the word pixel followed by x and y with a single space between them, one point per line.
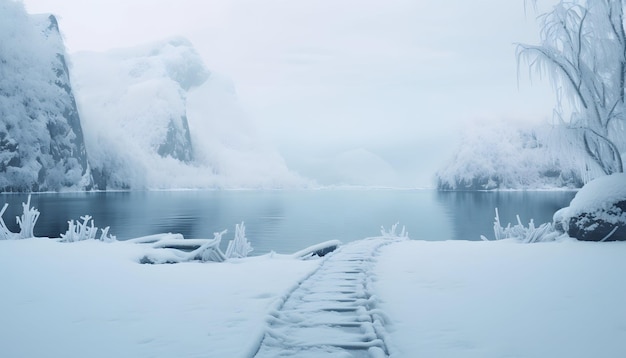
pixel 287 221
pixel 472 213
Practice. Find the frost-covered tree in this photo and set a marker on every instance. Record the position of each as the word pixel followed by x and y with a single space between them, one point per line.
pixel 583 51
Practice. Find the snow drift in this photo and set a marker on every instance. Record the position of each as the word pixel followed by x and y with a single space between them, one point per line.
pixel 41 139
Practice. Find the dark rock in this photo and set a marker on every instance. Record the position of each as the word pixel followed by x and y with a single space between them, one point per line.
pixel 325 251
pixel 590 226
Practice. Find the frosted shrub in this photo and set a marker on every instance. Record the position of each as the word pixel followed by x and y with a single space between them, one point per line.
pixel 85 231
pixel 392 232
pixel 239 247
pixel 26 222
pixel 530 234
pixel 5 234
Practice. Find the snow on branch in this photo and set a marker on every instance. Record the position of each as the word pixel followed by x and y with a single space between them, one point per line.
pixel 391 234
pixel 85 231
pixel 5 233
pixel 26 222
pixel 174 248
pixel 239 247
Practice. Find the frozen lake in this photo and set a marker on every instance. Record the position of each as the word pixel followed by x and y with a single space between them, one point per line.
pixel 286 221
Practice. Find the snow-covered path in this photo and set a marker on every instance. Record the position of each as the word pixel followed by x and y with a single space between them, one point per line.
pixel 332 311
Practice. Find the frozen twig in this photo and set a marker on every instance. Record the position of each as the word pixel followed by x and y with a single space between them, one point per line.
pixel 239 247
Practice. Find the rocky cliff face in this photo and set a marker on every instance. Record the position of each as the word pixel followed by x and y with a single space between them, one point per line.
pixel 134 109
pixel 41 139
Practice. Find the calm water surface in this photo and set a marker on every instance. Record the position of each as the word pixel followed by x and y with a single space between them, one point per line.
pixel 287 221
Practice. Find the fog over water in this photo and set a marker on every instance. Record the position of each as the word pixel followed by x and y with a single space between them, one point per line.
pixel 345 87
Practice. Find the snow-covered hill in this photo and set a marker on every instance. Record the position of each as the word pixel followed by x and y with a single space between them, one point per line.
pixel 513 155
pixel 156 117
pixel 41 140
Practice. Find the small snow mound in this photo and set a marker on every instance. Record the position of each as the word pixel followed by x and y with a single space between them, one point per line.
pixel 598 194
pixel 597 212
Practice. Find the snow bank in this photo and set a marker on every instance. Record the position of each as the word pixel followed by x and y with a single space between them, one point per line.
pixel 598 194
pixel 504 299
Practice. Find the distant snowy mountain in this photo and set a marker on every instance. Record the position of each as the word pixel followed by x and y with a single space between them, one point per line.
pixel 41 140
pixel 155 117
pixel 509 155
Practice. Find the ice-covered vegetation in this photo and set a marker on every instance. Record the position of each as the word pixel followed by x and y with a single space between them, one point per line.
pixel 85 231
pixel 392 232
pixel 596 213
pixel 583 51
pixel 239 247
pixel 26 222
pixel 510 155
pixel 530 234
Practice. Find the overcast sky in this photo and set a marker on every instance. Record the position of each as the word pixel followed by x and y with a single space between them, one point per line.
pixel 397 78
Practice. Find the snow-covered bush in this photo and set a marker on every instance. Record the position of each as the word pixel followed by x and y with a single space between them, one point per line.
pixel 26 222
pixel 509 155
pixel 239 247
pixel 530 234
pixel 85 231
pixel 5 233
pixel 392 234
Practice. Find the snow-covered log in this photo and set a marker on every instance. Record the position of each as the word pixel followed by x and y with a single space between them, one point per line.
pixel 321 249
pixel 151 239
pixel 173 248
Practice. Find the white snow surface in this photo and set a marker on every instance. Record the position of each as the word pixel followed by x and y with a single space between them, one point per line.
pixel 599 193
pixel 440 299
pixel 504 299
pixel 92 299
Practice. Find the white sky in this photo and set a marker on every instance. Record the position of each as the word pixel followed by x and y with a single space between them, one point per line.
pixel 396 77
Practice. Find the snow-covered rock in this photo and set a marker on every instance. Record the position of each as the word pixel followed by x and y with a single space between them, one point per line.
pixel 41 139
pixel 597 212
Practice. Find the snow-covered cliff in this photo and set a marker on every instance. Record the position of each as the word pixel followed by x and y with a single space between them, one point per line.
pixel 155 117
pixel 41 140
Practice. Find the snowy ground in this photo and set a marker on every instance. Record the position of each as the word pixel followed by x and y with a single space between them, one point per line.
pixel 504 299
pixel 443 299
